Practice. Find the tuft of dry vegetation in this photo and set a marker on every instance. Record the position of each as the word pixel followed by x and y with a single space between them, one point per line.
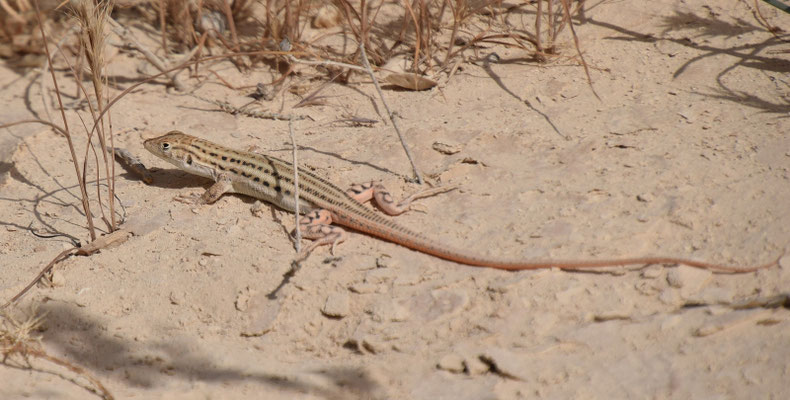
pixel 20 346
pixel 430 35
pixel 92 19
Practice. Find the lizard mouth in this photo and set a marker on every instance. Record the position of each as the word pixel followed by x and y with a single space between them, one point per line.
pixel 151 146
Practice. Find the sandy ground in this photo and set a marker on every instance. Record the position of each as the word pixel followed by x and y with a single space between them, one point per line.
pixel 686 154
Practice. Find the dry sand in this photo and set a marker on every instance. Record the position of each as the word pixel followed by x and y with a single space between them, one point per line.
pixel 687 153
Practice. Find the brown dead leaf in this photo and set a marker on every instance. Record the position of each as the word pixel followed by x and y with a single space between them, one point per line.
pixel 410 81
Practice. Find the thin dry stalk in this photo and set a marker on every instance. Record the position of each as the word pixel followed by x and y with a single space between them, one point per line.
pixel 61 256
pixel 458 9
pixel 232 25
pixel 42 83
pixel 313 98
pixel 552 32
pixel 566 8
pixel 163 25
pixel 180 14
pixel 325 63
pixel 298 231
pixel 80 70
pixel 538 20
pixel 417 34
pixel 427 36
pixel 36 121
pixel 111 172
pixel 13 13
pixel 351 15
pixel 390 114
pixel 758 15
pixel 369 70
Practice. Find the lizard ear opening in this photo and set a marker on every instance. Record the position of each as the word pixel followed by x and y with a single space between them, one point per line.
pixel 189 160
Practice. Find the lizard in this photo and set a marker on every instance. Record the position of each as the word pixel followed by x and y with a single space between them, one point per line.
pixel 272 180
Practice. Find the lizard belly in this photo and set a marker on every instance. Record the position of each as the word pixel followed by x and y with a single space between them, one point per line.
pixel 278 198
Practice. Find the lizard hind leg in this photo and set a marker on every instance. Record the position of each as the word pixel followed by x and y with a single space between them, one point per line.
pixel 381 196
pixel 316 225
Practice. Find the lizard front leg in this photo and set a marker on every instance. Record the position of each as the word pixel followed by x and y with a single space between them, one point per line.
pixel 383 199
pixel 212 194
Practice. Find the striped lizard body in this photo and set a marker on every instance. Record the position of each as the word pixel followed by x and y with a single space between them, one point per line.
pixel 272 180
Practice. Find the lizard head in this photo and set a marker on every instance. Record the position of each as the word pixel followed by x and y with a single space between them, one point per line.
pixel 170 147
pixel 179 149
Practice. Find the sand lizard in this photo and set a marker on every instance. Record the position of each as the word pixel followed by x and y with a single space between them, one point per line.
pixel 271 179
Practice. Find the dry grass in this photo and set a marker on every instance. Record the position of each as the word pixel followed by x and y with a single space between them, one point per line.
pixel 20 346
pixel 92 20
pixel 431 34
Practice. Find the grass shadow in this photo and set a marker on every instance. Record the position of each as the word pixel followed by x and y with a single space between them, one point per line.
pixel 750 55
pixel 84 339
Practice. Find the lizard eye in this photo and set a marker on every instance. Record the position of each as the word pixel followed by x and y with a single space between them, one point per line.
pixel 165 146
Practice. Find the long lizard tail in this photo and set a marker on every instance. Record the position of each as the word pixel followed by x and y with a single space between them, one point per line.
pixel 403 236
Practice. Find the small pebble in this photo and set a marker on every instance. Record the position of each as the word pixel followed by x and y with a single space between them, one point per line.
pixel 389 311
pixel 475 366
pixel 688 277
pixel 363 288
pixel 451 362
pixel 373 344
pixel 263 314
pixel 176 298
pixel 386 262
pixel 337 305
pixel 670 297
pixel 652 272
pixel 644 197
pixel 58 279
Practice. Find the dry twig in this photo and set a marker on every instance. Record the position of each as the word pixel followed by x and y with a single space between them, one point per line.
pixel 390 114
pixel 298 232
